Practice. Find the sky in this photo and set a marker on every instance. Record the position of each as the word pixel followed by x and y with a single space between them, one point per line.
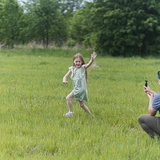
pixel 21 1
pixel 84 0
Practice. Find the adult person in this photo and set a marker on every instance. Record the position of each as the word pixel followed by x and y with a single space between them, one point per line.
pixel 150 123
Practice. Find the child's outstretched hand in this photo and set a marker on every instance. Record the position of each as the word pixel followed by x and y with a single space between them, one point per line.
pixel 65 82
pixel 93 56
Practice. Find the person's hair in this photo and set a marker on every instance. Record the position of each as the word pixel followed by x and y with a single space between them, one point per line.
pixel 78 55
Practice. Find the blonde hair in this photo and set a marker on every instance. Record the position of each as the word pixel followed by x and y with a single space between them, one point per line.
pixel 78 55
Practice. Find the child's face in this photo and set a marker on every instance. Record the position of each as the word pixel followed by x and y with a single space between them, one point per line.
pixel 77 62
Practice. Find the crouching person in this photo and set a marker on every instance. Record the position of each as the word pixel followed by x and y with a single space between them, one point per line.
pixel 150 123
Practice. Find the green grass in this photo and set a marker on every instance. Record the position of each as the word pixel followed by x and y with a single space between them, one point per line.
pixel 32 102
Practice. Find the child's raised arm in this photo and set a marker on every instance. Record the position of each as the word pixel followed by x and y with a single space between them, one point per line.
pixel 66 76
pixel 93 56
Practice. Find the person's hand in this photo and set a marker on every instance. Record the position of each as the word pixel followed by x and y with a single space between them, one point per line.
pixel 93 56
pixel 147 89
pixel 149 92
pixel 65 82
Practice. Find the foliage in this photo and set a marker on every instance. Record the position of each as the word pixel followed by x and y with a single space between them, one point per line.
pixel 117 28
pixel 10 23
pixel 47 24
pixel 81 27
pixel 127 27
pixel 77 25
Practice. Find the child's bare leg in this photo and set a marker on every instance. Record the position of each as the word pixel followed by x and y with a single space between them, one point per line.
pixel 85 107
pixel 69 101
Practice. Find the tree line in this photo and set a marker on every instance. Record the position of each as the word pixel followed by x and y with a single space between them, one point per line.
pixel 117 28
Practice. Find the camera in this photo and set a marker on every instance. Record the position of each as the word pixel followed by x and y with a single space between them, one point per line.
pixel 146 83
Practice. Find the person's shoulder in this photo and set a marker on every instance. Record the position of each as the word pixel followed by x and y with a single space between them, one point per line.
pixel 156 97
pixel 70 67
pixel 157 94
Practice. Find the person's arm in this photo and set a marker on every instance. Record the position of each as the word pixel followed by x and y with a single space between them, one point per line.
pixel 93 56
pixel 151 111
pixel 66 76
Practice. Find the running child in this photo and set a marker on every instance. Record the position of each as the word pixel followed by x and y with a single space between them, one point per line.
pixel 78 74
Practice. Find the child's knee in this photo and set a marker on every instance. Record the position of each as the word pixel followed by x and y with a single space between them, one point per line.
pixel 67 98
pixel 82 105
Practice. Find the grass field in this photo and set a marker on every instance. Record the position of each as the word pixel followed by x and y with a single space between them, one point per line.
pixel 32 102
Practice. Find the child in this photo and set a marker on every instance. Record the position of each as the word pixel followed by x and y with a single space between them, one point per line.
pixel 78 74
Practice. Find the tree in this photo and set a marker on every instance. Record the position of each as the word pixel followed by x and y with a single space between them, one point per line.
pixel 10 21
pixel 1 14
pixel 81 29
pixel 46 21
pixel 127 27
pixel 77 24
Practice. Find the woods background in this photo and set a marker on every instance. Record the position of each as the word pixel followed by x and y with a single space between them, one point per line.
pixel 116 28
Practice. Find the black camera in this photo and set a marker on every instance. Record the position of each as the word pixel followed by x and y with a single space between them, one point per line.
pixel 146 83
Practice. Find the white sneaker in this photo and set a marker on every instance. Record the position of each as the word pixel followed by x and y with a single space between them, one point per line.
pixel 68 114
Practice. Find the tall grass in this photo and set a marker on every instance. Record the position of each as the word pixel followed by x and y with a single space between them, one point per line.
pixel 32 100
